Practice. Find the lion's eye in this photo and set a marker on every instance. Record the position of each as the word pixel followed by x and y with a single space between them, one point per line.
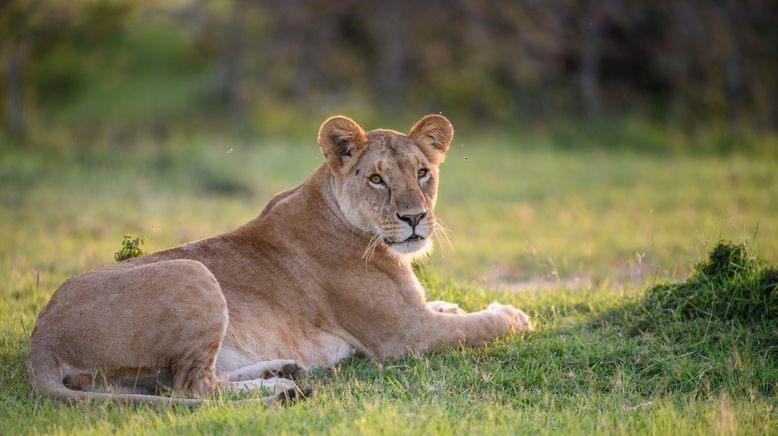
pixel 423 172
pixel 376 179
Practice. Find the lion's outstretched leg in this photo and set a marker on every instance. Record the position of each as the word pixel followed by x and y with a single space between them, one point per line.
pixel 444 307
pixel 437 331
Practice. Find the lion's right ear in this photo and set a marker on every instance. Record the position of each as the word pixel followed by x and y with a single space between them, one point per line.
pixel 342 141
pixel 433 133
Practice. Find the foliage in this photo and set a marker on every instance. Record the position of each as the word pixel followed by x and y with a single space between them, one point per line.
pixel 686 65
pixel 30 30
pixel 130 248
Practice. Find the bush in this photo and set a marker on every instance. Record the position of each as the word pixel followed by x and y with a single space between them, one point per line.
pixel 130 248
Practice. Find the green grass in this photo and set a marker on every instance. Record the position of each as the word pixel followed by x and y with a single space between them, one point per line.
pixel 572 237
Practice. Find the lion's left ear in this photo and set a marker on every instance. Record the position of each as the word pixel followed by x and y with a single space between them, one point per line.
pixel 433 133
pixel 342 140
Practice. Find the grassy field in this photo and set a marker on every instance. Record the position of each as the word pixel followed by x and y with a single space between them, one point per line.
pixel 572 237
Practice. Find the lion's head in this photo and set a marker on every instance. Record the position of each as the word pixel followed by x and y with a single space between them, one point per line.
pixel 386 182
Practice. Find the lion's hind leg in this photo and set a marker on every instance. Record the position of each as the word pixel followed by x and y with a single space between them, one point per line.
pixel 275 385
pixel 281 368
pixel 278 376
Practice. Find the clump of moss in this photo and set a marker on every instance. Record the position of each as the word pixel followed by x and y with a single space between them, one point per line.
pixel 731 284
pixel 770 279
pixel 130 248
pixel 728 260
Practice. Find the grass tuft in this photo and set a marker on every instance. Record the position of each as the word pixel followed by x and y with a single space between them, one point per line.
pixel 731 284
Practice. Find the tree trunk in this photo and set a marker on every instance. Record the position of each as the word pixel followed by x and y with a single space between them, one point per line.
pixel 232 63
pixel 589 69
pixel 391 43
pixel 14 69
pixel 733 75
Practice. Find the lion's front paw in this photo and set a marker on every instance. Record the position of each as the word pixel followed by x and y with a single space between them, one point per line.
pixel 444 307
pixel 518 319
pixel 282 368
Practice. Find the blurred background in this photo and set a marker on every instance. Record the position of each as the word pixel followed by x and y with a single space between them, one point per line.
pixel 599 143
pixel 121 66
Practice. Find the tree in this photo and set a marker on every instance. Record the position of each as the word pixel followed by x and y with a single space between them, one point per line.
pixel 29 28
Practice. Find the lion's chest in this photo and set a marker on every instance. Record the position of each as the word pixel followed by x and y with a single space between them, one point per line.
pixel 334 348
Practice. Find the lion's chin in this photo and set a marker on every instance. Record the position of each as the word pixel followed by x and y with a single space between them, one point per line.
pixel 411 247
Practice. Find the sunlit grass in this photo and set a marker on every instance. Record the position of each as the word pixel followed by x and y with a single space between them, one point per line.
pixel 612 218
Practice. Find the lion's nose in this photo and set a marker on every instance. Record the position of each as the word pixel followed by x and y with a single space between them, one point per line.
pixel 412 220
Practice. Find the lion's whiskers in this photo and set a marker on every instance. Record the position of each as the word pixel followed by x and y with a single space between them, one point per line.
pixel 371 247
pixel 440 233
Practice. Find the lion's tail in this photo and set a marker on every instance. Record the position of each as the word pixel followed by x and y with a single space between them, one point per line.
pixel 45 377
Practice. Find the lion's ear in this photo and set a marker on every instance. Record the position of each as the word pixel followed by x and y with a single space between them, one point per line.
pixel 433 133
pixel 342 141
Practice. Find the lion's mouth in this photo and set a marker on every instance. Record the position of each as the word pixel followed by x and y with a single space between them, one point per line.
pixel 413 245
pixel 413 238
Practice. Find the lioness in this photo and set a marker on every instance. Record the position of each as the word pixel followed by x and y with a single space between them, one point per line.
pixel 323 271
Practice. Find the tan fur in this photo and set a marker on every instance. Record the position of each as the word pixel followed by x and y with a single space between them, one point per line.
pixel 322 271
